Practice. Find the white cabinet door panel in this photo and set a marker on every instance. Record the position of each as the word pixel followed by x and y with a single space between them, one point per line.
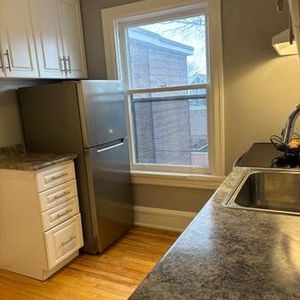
pixel 48 38
pixel 71 27
pixel 63 240
pixel 19 57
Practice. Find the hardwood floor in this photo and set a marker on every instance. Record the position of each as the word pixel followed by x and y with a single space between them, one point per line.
pixel 112 275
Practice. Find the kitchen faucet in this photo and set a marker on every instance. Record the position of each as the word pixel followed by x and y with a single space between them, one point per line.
pixel 287 132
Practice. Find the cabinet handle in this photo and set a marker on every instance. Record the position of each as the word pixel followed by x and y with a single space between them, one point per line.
pixel 60 175
pixel 61 195
pixel 6 53
pixel 58 196
pixel 58 216
pixel 62 62
pixel 68 241
pixel 1 62
pixel 69 64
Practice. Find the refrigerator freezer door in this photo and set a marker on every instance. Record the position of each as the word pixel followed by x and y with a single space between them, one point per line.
pixel 102 111
pixel 110 171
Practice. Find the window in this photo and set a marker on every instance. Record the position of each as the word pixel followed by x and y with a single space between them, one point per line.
pixel 164 55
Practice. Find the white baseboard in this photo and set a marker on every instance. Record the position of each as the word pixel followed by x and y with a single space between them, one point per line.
pixel 166 219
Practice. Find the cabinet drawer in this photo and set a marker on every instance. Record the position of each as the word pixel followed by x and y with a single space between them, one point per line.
pixel 56 175
pixel 60 213
pixel 57 195
pixel 63 240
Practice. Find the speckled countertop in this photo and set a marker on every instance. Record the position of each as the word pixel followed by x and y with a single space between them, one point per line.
pixel 229 254
pixel 15 158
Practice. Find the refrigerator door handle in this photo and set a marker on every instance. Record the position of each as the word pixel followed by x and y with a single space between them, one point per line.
pixel 111 147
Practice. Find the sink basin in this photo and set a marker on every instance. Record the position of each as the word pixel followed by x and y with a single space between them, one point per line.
pixel 268 191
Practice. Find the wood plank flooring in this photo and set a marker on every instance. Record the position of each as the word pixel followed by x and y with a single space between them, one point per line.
pixel 112 275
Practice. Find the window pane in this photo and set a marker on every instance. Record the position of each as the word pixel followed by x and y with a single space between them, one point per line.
pixel 168 53
pixel 171 128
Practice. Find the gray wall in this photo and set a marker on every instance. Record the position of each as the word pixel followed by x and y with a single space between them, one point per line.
pixel 10 122
pixel 92 26
pixel 170 197
pixel 261 88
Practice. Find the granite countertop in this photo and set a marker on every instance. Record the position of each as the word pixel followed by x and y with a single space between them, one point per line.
pixel 15 158
pixel 231 254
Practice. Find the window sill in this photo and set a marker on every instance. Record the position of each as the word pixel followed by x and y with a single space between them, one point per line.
pixel 207 182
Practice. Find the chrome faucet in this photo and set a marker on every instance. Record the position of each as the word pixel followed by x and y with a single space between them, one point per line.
pixel 287 132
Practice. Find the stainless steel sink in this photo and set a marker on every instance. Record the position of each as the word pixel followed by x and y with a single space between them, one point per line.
pixel 268 191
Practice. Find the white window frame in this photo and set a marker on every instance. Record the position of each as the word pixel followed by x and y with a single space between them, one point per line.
pixel 114 18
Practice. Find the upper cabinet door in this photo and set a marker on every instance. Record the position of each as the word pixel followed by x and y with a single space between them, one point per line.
pixel 48 38
pixel 71 28
pixel 17 44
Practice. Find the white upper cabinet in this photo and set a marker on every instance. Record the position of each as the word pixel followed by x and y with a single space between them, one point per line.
pixel 41 39
pixel 16 40
pixel 71 28
pixel 48 38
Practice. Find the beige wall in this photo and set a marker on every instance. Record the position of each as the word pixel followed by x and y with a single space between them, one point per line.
pixel 261 88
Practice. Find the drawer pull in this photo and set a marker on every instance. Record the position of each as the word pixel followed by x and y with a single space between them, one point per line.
pixel 58 216
pixel 55 176
pixel 62 244
pixel 60 195
pixel 63 174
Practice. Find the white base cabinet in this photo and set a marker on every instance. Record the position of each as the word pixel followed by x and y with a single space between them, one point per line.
pixel 40 223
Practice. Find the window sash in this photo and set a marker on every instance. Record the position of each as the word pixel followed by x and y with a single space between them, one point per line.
pixel 125 72
pixel 127 77
pixel 166 167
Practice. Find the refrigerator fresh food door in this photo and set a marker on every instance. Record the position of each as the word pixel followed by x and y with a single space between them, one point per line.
pixel 102 109
pixel 109 169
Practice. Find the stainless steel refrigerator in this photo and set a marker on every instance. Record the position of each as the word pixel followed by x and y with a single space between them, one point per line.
pixel 86 117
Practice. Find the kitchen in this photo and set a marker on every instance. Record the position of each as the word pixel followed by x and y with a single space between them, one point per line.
pixel 261 88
